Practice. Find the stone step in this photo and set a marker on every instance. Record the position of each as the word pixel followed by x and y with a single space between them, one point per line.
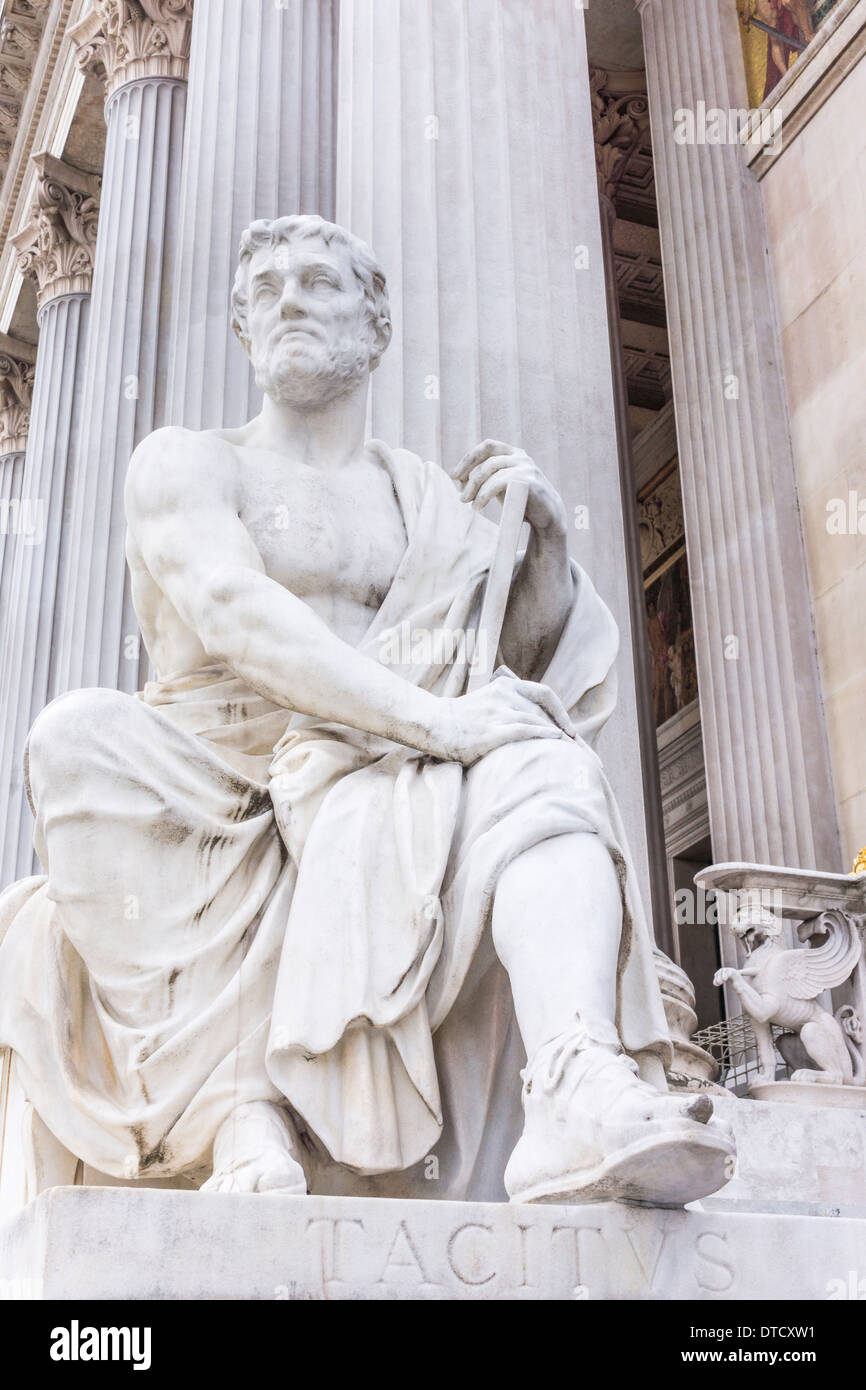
pixel 119 1243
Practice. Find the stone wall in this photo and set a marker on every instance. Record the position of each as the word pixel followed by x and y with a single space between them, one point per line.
pixel 815 203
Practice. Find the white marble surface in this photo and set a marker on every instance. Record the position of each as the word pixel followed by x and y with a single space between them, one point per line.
pixel 82 1243
pixel 798 1157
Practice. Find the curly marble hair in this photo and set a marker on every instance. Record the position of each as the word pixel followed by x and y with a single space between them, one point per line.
pixel 284 230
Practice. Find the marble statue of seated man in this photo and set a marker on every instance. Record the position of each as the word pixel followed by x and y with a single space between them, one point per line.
pixel 308 907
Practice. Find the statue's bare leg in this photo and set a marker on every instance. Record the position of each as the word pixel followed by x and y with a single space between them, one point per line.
pixel 766 1050
pixel 257 1149
pixel 594 1130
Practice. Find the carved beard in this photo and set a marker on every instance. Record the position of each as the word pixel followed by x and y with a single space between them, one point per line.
pixel 308 372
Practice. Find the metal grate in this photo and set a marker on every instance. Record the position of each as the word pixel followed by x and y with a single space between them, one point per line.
pixel 732 1044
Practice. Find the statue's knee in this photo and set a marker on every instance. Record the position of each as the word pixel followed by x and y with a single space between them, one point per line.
pixel 562 764
pixel 67 729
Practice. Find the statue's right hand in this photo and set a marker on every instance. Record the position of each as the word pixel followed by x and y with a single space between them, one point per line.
pixel 508 710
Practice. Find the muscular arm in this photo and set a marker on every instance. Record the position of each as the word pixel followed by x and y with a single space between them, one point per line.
pixel 182 511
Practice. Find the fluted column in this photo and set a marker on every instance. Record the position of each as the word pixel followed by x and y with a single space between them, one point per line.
pixel 768 771
pixel 16 389
pixel 259 143
pixel 140 49
pixel 18 514
pixel 56 250
pixel 11 477
pixel 466 157
pixel 621 124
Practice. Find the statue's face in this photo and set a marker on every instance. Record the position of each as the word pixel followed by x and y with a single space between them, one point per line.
pixel 754 938
pixel 308 323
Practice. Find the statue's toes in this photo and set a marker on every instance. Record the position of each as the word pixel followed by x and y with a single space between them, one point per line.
pixel 699 1108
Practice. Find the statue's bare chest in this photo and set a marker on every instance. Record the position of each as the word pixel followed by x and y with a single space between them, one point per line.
pixel 337 534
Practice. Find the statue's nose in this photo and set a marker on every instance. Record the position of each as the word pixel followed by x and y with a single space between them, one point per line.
pixel 290 305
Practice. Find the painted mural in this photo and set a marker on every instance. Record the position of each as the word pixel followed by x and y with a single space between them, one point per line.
pixel 774 34
pixel 668 601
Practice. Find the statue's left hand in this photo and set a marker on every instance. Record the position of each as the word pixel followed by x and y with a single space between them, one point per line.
pixel 487 470
pixel 725 975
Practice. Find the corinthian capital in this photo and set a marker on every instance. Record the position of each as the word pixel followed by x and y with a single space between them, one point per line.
pixel 57 246
pixel 620 114
pixel 16 392
pixel 120 41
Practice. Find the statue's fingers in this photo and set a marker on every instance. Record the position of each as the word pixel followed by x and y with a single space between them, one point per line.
pixel 542 718
pixel 548 700
pixel 522 733
pixel 478 455
pixel 486 470
pixel 494 487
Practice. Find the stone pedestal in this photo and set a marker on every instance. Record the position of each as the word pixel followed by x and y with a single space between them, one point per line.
pixel 797 1158
pixel 248 154
pixel 87 1243
pixel 768 771
pixel 807 1093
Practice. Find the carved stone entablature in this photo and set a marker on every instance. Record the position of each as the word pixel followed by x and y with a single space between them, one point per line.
pixel 648 373
pixel 683 778
pixel 660 519
pixel 121 41
pixel 57 246
pixel 639 273
pixel 20 35
pixel 620 112
pixel 17 367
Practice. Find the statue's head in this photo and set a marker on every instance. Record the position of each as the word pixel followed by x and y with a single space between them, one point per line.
pixel 310 306
pixel 755 925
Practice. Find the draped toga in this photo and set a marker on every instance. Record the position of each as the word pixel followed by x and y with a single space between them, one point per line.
pixel 241 903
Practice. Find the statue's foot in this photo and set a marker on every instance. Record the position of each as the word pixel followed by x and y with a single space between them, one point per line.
pixel 818 1078
pixel 595 1132
pixel 257 1150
